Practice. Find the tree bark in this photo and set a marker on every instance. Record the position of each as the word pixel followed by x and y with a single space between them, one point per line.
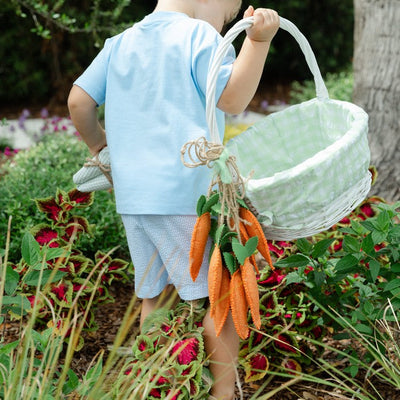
pixel 377 87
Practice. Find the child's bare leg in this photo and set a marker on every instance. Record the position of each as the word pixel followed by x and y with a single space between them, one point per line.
pixel 223 351
pixel 166 298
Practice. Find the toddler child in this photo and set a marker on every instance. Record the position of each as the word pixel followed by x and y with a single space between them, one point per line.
pixel 152 78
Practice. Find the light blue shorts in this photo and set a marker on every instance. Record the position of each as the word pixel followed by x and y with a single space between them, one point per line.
pixel 159 246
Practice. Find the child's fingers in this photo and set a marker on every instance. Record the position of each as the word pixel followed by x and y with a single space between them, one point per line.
pixel 249 12
pixel 265 26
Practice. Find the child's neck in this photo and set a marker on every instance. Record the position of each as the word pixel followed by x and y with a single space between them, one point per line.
pixel 183 6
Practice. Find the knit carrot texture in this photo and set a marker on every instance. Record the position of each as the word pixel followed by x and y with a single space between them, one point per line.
pixel 198 243
pixel 239 305
pixel 251 291
pixel 222 304
pixel 214 277
pixel 254 228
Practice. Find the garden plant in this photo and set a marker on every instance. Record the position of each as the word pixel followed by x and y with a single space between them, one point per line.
pixel 328 311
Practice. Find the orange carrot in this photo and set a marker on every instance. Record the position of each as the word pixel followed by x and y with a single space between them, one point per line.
pixel 254 229
pixel 214 277
pixel 222 304
pixel 245 237
pixel 251 290
pixel 239 306
pixel 198 243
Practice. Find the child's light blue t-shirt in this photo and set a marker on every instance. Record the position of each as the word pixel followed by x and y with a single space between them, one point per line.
pixel 152 79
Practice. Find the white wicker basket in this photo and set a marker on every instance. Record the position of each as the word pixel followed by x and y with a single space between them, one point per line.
pixel 310 161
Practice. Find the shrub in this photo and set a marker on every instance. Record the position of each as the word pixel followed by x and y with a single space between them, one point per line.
pixel 35 173
pixel 339 85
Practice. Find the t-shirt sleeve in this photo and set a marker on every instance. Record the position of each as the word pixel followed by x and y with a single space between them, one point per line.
pixel 204 45
pixel 93 80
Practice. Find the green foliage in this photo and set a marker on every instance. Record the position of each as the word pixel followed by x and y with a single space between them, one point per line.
pixel 53 264
pixel 33 174
pixel 175 337
pixel 354 268
pixel 339 85
pixel 34 31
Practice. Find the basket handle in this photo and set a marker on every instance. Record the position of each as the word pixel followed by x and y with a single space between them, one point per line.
pixel 230 36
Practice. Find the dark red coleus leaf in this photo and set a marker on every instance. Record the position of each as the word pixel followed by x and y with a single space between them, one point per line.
pixel 284 343
pixel 46 235
pixel 187 350
pixel 81 198
pixel 51 208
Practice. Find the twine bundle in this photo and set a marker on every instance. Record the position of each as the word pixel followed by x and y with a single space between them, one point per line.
pixel 227 178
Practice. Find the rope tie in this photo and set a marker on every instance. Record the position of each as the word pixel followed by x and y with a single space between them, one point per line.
pixel 104 168
pixel 230 183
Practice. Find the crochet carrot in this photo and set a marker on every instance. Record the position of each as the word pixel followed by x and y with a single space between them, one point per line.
pixel 245 237
pixel 239 305
pixel 254 229
pixel 251 290
pixel 223 302
pixel 198 243
pixel 214 277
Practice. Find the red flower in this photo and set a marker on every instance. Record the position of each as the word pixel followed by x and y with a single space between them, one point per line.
pixel 187 350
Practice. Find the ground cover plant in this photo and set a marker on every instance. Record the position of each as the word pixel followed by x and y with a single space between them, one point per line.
pixel 329 311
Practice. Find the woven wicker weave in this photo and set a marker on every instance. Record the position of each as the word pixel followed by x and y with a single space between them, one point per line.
pixel 309 162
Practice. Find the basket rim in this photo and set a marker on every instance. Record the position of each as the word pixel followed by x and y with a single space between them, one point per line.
pixel 360 118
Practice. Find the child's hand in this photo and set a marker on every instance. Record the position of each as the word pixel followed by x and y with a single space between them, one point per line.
pixel 266 24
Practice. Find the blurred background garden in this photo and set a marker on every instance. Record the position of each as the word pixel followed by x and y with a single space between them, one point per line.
pixel 68 317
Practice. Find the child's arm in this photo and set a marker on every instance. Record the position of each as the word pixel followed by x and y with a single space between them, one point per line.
pixel 248 67
pixel 82 109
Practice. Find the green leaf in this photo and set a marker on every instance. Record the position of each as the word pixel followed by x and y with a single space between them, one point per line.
pixel 218 233
pixel 30 249
pixel 346 263
pixel 12 281
pixel 251 245
pixel 200 203
pixel 55 252
pixel 214 198
pixel 367 245
pixel 293 277
pixel 296 260
pixel 374 269
pixel 351 244
pixel 365 329
pixel 304 246
pixel 395 268
pixel 240 251
pixel 395 283
pixel 378 236
pixel 319 277
pixel 32 278
pixel 72 383
pixel 226 238
pixel 230 262
pixel 321 247
pixel 19 301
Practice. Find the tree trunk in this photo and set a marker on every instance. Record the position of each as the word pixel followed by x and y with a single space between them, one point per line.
pixel 377 87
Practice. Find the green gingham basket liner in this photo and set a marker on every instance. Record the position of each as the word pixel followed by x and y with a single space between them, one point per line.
pixel 309 162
